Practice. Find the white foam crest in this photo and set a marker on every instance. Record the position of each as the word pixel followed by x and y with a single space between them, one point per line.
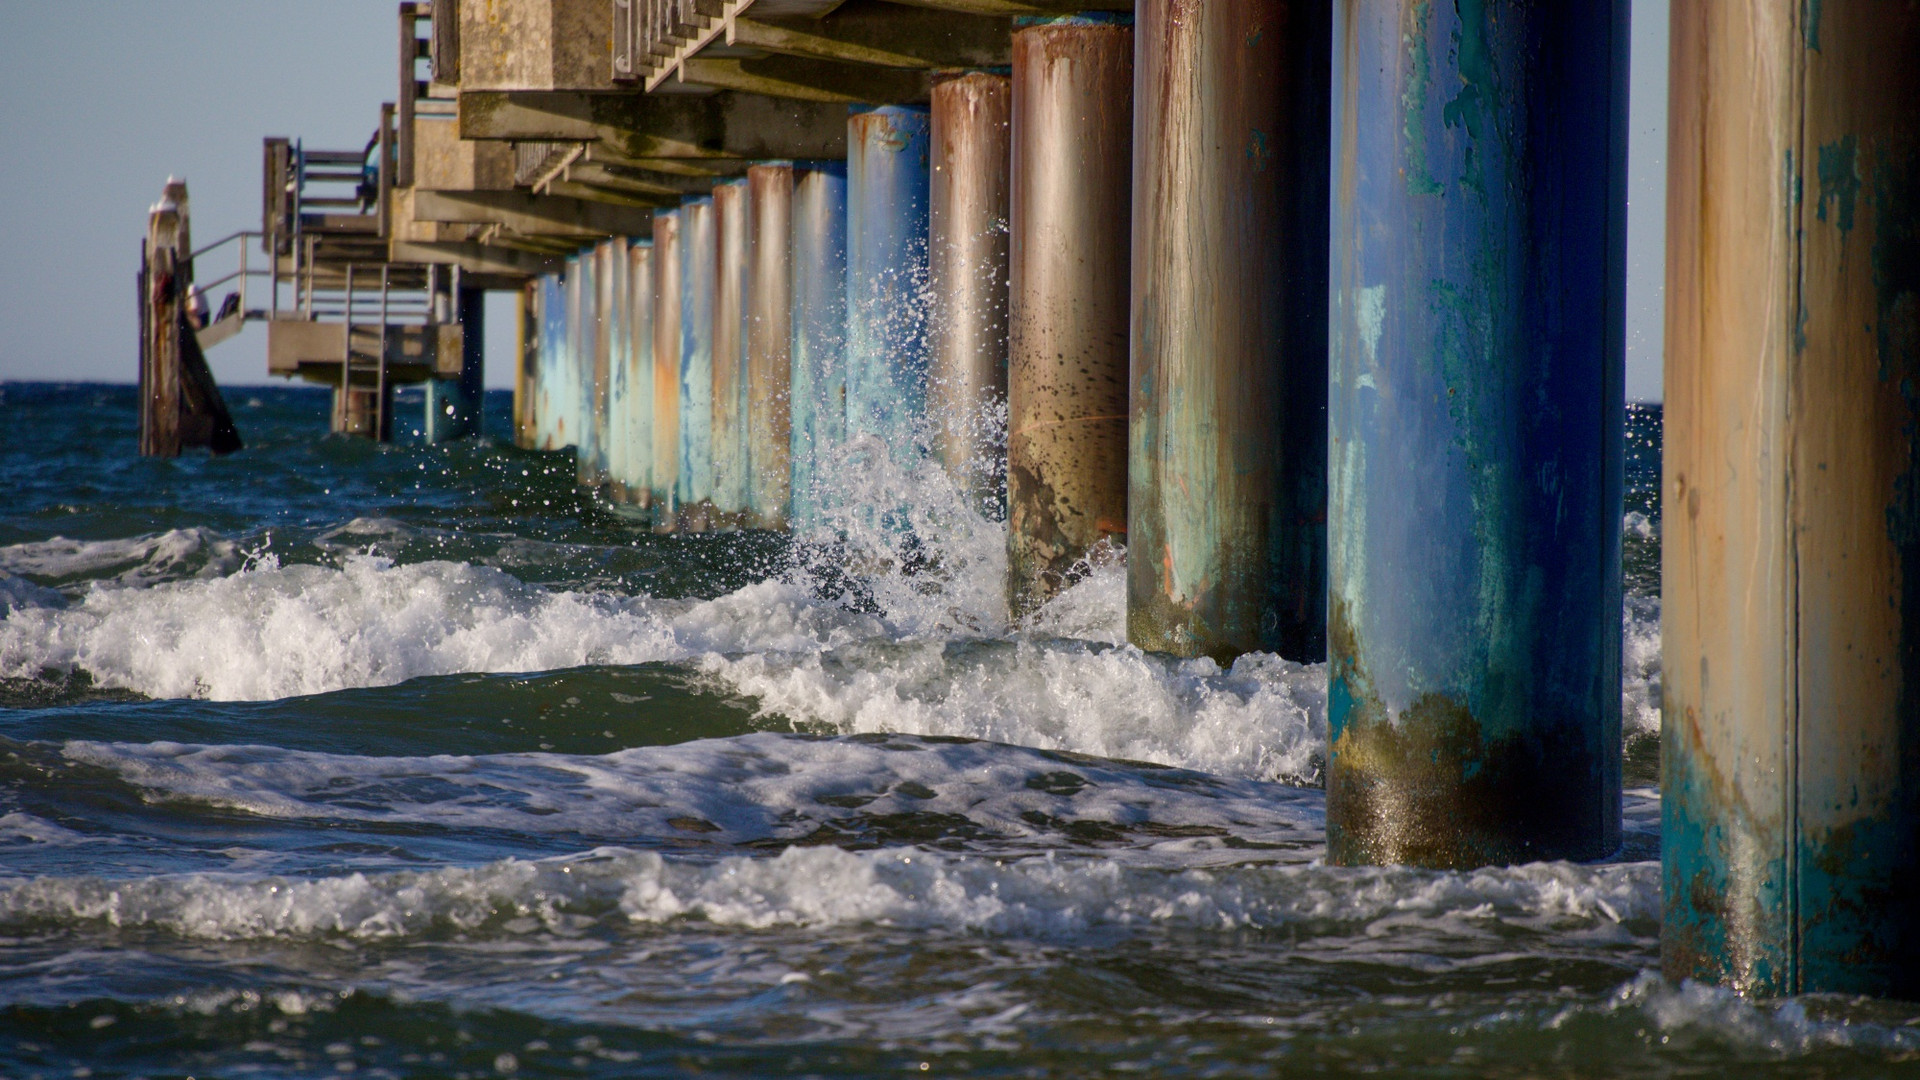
pixel 825 886
pixel 754 788
pixel 1640 667
pixel 1785 1027
pixel 18 594
pixel 273 632
pixel 1266 717
pixel 17 827
pixel 136 561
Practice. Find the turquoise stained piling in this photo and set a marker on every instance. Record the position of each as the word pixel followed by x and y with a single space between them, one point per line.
pixel 732 240
pixel 571 392
pixel 695 488
pixel 1476 425
pixel 548 399
pixel 614 434
pixel 819 381
pixel 888 157
pixel 454 405
pixel 770 345
pixel 596 339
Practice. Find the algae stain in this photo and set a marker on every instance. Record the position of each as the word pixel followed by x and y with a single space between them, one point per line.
pixel 1839 181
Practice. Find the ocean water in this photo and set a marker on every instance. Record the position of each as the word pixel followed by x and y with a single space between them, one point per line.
pixel 332 759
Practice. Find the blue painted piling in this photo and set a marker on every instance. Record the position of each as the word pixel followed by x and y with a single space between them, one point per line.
pixel 550 428
pixel 731 289
pixel 1476 416
pixel 1226 527
pixel 770 345
pixel 1790 628
pixel 619 346
pixel 888 153
pixel 571 388
pixel 666 370
pixel 819 388
pixel 697 272
pixel 596 365
pixel 453 405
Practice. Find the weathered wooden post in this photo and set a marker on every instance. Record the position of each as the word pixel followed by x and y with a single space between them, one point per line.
pixel 1790 627
pixel 887 163
pixel 666 370
pixel 967 280
pixel 698 269
pixel 733 243
pixel 770 345
pixel 1067 385
pixel 453 405
pixel 180 405
pixel 637 412
pixel 1477 413
pixel 819 390
pixel 1226 475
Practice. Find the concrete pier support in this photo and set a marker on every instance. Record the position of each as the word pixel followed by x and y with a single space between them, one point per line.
pixel 635 472
pixel 770 345
pixel 888 157
pixel 697 273
pixel 1067 383
pixel 574 380
pixel 970 136
pixel 618 319
pixel 733 242
pixel 1790 754
pixel 548 424
pixel 526 371
pixel 1226 473
pixel 819 390
pixel 454 405
pixel 591 458
pixel 666 370
pixel 1476 420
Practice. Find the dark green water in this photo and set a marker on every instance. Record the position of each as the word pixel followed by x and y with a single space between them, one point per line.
pixel 335 759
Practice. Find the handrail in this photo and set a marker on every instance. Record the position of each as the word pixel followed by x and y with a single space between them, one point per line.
pixel 227 239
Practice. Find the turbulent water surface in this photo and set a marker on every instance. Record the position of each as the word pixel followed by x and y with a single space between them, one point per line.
pixel 334 758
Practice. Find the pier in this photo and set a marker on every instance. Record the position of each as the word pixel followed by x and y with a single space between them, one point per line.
pixel 1314 309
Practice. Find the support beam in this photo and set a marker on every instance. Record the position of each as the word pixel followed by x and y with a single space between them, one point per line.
pixel 1067 379
pixel 526 372
pixel 475 258
pixel 532 215
pixel 709 126
pixel 770 345
pixel 697 273
pixel 732 244
pixel 967 282
pixel 666 369
pixel 1477 414
pixel 1790 753
pixel 887 175
pixel 808 79
pixel 819 392
pixel 1225 534
pixel 885 35
pixel 591 461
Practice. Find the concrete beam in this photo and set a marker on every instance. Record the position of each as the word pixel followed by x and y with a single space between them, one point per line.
pixel 475 258
pixel 536 45
pixel 714 126
pixel 533 215
pixel 886 35
pixel 807 79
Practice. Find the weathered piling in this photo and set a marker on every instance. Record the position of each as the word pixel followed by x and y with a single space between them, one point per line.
pixel 967 280
pixel 697 272
pixel 1226 475
pixel 180 405
pixel 1067 384
pixel 1790 755
pixel 770 345
pixel 1477 414
pixel 637 411
pixel 526 372
pixel 666 369
pixel 454 405
pixel 551 387
pixel 596 368
pixel 574 384
pixel 732 244
pixel 887 163
pixel 617 316
pixel 819 390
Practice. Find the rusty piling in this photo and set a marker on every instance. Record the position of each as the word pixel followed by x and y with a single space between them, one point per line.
pixel 1066 456
pixel 591 457
pixel 770 345
pixel 1226 441
pixel 733 247
pixel 666 369
pixel 1476 425
pixel 1790 756
pixel 970 133
pixel 887 170
pixel 636 408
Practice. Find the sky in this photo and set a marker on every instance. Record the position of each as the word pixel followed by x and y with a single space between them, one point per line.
pixel 102 100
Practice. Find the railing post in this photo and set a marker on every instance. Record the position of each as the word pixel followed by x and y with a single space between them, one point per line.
pixel 1790 751
pixel 1067 381
pixel 1477 412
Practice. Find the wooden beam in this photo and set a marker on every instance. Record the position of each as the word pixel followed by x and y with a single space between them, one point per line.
pixel 713 126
